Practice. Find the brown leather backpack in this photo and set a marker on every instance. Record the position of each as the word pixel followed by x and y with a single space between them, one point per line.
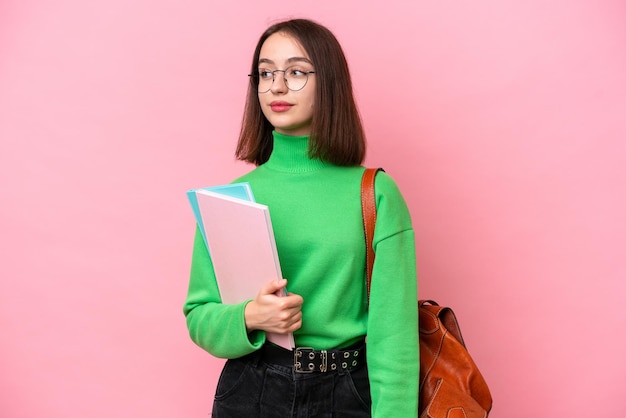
pixel 451 386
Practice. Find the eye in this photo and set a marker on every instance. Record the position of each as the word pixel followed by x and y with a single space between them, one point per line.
pixel 296 72
pixel 265 74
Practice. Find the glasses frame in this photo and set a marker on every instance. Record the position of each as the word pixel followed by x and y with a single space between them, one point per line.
pixel 257 76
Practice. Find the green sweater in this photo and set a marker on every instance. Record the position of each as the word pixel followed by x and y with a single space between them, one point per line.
pixel 316 216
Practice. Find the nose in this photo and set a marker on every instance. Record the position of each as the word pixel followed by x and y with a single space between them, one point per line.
pixel 279 84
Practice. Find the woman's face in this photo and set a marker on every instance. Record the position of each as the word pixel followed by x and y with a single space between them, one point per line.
pixel 290 112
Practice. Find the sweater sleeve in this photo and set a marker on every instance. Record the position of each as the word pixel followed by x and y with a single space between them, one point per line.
pixel 392 337
pixel 218 328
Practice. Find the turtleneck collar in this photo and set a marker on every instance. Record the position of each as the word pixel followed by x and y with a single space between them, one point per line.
pixel 291 154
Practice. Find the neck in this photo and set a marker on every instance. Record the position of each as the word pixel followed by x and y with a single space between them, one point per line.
pixel 291 154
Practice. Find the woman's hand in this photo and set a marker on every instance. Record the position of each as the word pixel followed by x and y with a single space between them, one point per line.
pixel 272 313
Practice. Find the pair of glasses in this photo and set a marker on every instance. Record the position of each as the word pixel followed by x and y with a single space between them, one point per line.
pixel 295 78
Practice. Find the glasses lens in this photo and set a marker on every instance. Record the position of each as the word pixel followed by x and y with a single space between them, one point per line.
pixel 296 78
pixel 265 79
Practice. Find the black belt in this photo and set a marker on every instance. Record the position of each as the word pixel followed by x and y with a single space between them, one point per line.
pixel 308 360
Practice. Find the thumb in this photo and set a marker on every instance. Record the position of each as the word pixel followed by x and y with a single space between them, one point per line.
pixel 273 286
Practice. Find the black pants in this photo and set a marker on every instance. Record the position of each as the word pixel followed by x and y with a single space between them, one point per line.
pixel 253 387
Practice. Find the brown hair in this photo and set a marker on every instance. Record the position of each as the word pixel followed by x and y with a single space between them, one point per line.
pixel 337 134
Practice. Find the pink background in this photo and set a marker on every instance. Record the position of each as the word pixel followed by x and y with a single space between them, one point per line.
pixel 502 121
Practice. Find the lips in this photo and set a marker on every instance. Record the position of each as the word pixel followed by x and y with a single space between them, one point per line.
pixel 279 106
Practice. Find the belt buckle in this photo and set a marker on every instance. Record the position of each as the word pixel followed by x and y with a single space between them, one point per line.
pixel 298 355
pixel 308 353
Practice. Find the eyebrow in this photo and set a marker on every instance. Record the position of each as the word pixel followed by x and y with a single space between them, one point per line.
pixel 289 61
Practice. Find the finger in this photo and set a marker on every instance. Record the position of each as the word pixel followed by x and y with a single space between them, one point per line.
pixel 273 286
pixel 290 324
pixel 291 302
pixel 295 325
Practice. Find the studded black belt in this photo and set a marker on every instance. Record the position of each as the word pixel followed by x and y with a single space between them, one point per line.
pixel 308 360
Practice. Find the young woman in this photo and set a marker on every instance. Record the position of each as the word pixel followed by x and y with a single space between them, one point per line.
pixel 302 130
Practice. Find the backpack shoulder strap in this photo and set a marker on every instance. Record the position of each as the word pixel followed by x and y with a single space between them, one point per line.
pixel 368 207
